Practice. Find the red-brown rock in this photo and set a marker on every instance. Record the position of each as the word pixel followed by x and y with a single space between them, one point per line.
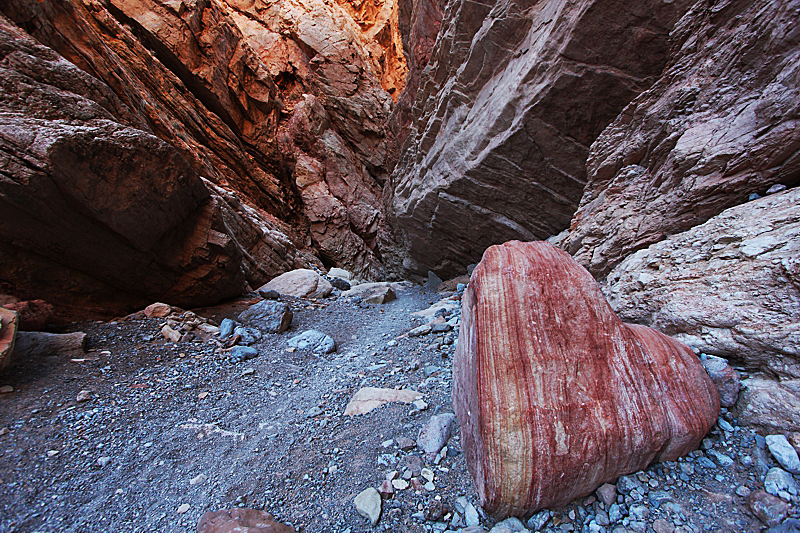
pixel 32 315
pixel 554 394
pixel 241 521
pixel 8 333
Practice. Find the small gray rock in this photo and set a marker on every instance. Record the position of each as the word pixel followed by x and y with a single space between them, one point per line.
pixel 368 504
pixel 420 330
pixel 784 453
pixel 269 294
pixel 313 341
pixel 539 520
pixel 435 434
pixel 792 525
pixel 226 328
pixel 778 187
pixel 509 525
pixel 778 480
pixel 247 336
pixel 433 281
pixel 241 353
pixel 471 516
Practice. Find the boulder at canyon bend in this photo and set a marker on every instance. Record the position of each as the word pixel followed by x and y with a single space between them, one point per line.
pixel 554 394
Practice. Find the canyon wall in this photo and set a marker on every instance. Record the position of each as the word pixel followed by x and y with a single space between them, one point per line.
pixel 513 95
pixel 721 123
pixel 275 111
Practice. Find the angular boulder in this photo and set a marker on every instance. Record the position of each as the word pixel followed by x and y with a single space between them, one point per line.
pixel 268 315
pixel 372 293
pixel 301 283
pixel 313 341
pixel 554 394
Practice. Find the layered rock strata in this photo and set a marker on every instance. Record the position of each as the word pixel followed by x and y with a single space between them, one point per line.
pixel 99 215
pixel 512 96
pixel 283 103
pixel 554 394
pixel 721 123
pixel 729 287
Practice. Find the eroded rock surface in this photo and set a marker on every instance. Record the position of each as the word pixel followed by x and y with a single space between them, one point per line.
pixel 554 394
pixel 721 123
pixel 512 96
pixel 729 287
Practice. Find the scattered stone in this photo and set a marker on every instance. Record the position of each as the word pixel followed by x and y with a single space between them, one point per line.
pixel 242 353
pixel 201 478
pixel 662 526
pixel 226 328
pixel 341 284
pixel 313 341
pixel 434 511
pixel 368 505
pixel 400 484
pixel 386 489
pixel 83 396
pixel 103 461
pixel 268 316
pixel 778 480
pixel 420 330
pixel 368 398
pixel 241 520
pixel 170 334
pixel 539 520
pixel 5 389
pixel 607 493
pixel 471 516
pixel 784 453
pixel 247 336
pixel 725 378
pixel 778 187
pixel 157 310
pixel 440 327
pixel 340 273
pixel 269 294
pixel 435 434
pixel 404 443
pixel 509 525
pixel 182 508
pixel 301 283
pixel 433 281
pixel 742 491
pixel 770 509
pixel 792 525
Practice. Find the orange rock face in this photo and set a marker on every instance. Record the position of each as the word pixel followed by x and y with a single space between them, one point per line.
pixel 554 394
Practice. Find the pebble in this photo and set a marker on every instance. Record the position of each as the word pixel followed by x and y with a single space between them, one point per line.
pixel 183 508
pixel 103 461
pixel 368 504
pixel 83 396
pixel 226 328
pixel 242 353
pixel 509 525
pixel 784 453
pixel 314 341
pixel 662 526
pixel 420 330
pixel 607 493
pixel 400 484
pixel 201 478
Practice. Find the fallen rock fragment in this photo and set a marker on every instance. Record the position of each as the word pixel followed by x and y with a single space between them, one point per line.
pixel 157 310
pixel 725 378
pixel 368 398
pixel 372 293
pixel 83 396
pixel 301 283
pixel 770 509
pixel 170 334
pixel 240 521
pixel 554 394
pixel 435 434
pixel 268 316
pixel 784 453
pixel 313 341
pixel 8 334
pixel 368 505
pixel 32 343
pixel 770 405
pixel 340 273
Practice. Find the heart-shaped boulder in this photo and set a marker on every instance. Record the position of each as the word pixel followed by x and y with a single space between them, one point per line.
pixel 554 394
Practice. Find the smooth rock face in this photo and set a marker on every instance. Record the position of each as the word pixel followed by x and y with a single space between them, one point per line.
pixel 554 394
pixel 268 316
pixel 8 333
pixel 720 124
pixel 512 96
pixel 729 287
pixel 241 520
pixel 33 343
pixel 301 283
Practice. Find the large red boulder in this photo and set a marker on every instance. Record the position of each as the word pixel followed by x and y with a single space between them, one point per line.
pixel 554 394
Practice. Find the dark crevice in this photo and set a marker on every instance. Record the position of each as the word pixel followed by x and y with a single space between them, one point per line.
pixel 194 84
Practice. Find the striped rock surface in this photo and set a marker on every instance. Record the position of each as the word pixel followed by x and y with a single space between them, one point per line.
pixel 554 394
